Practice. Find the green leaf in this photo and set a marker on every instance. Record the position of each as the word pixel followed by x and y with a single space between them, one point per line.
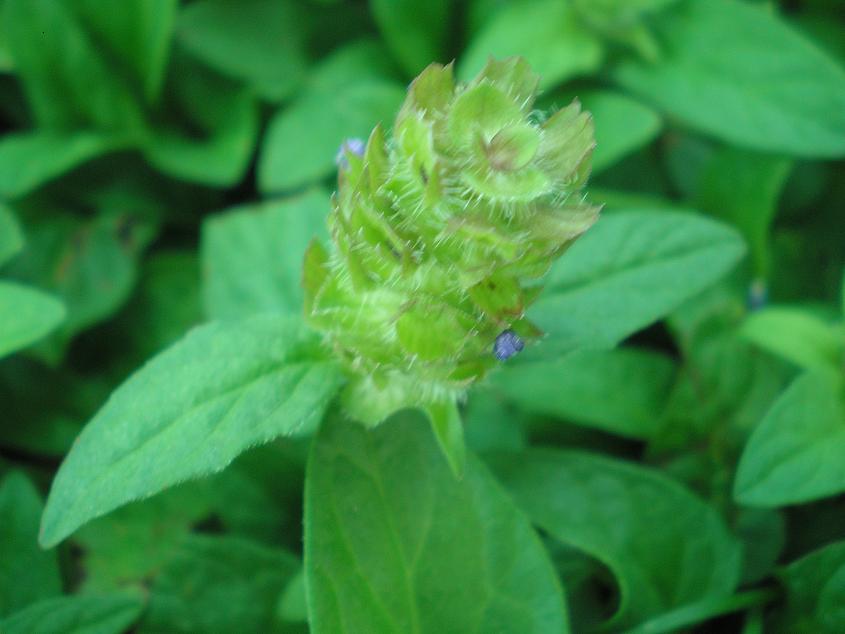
pixel 647 529
pixel 219 584
pixel 576 388
pixel 743 188
pixel 91 614
pixel 27 573
pixel 11 238
pixel 261 42
pixel 215 146
pixel 303 139
pixel 622 125
pixel 26 315
pixel 678 620
pixel 798 336
pixel 815 593
pixel 795 453
pixel 136 33
pixel 91 265
pixel 67 80
pixel 390 534
pixel 736 71
pixel 449 431
pixel 28 160
pixel 189 412
pixel 547 33
pixel 252 255
pixel 627 271
pixel 417 33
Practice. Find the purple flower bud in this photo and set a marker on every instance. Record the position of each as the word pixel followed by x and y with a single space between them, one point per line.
pixel 507 344
pixel 354 146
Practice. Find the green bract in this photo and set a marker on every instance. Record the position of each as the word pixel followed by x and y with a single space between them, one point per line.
pixel 441 232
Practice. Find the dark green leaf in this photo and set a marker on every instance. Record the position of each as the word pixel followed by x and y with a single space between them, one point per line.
pixel 647 529
pixel 736 71
pixel 91 614
pixel 261 42
pixel 578 387
pixel 136 33
pixel 189 413
pixel 394 543
pixel 795 453
pixel 68 82
pixel 416 32
pixel 547 33
pixel 815 593
pixel 252 255
pixel 626 272
pixel 220 584
pixel 11 238
pixel 743 188
pixel 26 315
pixel 27 573
pixel 31 159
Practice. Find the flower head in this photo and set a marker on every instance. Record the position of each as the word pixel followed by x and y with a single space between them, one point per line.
pixel 441 232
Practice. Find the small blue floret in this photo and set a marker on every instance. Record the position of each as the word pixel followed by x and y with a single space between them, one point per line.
pixel 353 146
pixel 507 344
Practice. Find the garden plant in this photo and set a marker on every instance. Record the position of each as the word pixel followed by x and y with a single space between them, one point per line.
pixel 404 317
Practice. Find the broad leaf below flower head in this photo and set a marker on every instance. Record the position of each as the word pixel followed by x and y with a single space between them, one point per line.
pixel 395 543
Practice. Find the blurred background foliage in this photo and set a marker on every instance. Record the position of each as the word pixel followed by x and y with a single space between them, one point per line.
pixel 164 163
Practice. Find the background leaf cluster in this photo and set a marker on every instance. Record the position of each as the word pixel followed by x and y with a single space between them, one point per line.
pixel 671 457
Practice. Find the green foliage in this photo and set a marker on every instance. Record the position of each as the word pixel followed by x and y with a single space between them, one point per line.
pixel 426 540
pixel 670 535
pixel 232 230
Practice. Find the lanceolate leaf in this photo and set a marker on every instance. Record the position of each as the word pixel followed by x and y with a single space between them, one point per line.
pixel 647 529
pixel 796 452
pixel 26 315
pixel 394 543
pixel 189 412
pixel 734 70
pixel 91 614
pixel 626 272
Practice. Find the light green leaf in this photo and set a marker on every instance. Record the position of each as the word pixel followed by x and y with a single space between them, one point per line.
pixel 27 573
pixel 798 336
pixel 189 412
pixel 261 42
pixel 303 139
pixel 252 255
pixel 31 159
pixel 795 453
pixel 11 238
pixel 390 533
pixel 449 431
pixel 743 188
pixel 136 33
pixel 547 33
pixel 220 584
pixel 622 125
pixel 416 32
pixel 87 614
pixel 735 70
pixel 67 80
pixel 815 593
pixel 648 530
pixel 627 271
pixel 26 315
pixel 621 391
